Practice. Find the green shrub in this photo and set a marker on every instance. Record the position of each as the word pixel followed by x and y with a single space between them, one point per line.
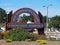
pixel 8 40
pixel 18 34
pixel 27 40
pixel 52 39
pixel 41 37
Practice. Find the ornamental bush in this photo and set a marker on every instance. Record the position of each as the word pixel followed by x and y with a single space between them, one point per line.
pixel 18 34
pixel 8 40
pixel 41 41
pixel 27 40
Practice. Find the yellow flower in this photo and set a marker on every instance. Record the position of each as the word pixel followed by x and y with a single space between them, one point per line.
pixel 41 41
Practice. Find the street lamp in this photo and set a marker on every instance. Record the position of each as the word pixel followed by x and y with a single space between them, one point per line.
pixel 47 15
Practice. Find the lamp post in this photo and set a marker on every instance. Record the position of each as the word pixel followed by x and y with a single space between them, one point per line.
pixel 47 15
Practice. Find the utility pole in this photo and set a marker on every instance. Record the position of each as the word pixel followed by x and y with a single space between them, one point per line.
pixel 47 7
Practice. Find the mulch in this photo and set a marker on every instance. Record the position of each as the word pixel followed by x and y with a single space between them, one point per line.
pixel 2 42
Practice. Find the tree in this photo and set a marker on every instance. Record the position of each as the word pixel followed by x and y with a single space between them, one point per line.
pixel 44 20
pixel 25 18
pixel 3 15
pixel 55 22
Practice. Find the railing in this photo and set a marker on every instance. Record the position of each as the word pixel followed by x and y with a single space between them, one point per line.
pixel 52 34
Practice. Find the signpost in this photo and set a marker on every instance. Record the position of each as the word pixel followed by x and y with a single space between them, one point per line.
pixel 37 23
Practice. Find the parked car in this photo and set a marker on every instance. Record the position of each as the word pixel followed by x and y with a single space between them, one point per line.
pixel 1 30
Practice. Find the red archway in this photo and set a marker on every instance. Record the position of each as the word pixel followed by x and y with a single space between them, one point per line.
pixel 25 10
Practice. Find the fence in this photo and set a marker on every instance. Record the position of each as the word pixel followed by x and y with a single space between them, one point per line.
pixel 52 34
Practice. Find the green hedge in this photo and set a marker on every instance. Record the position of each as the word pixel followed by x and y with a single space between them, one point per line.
pixel 18 34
